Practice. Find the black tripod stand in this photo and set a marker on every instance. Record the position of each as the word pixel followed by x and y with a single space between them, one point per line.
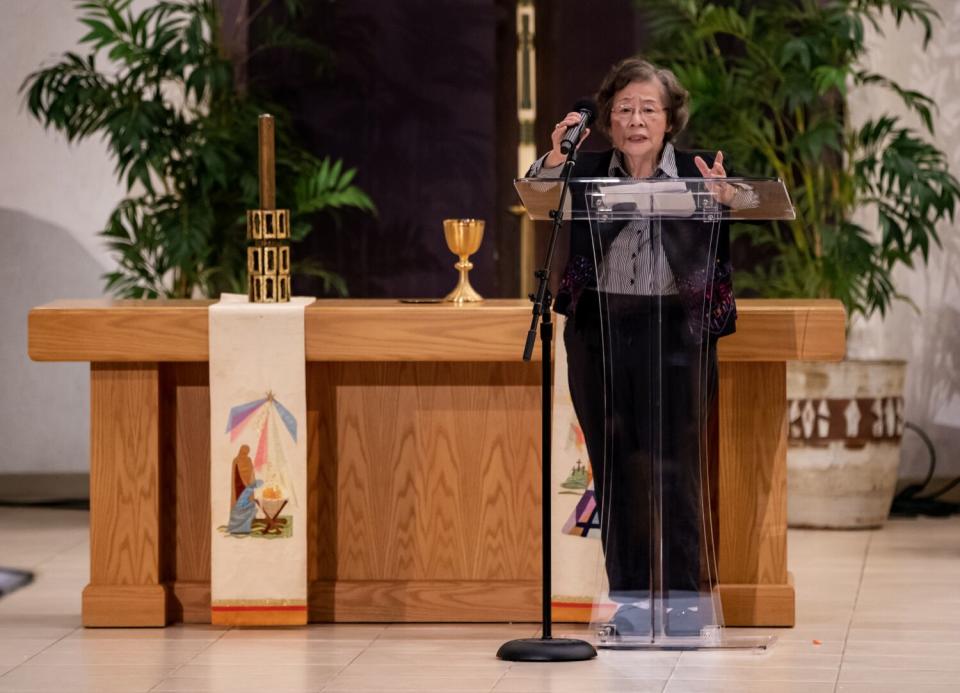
pixel 546 648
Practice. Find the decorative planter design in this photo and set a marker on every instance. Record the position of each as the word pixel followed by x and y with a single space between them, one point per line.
pixel 845 424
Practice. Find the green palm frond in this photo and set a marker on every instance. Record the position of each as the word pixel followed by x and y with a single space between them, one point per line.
pixel 329 184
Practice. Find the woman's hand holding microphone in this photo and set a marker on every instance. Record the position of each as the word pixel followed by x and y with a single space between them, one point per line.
pixel 556 157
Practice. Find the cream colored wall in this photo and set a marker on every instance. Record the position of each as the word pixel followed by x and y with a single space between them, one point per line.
pixel 70 186
pixel 929 339
pixel 54 198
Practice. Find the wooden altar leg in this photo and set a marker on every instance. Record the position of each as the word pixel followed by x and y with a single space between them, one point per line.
pixel 755 588
pixel 125 579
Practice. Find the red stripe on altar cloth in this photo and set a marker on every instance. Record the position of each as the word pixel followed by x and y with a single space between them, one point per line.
pixel 259 608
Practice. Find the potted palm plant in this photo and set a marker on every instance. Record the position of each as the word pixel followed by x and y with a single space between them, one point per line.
pixel 769 84
pixel 163 90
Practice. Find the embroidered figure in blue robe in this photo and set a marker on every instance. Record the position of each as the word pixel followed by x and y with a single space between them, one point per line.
pixel 244 510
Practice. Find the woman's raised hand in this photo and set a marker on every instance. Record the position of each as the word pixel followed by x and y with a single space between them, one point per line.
pixel 556 157
pixel 723 192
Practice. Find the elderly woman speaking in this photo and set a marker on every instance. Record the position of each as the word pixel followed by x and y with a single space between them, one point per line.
pixel 645 304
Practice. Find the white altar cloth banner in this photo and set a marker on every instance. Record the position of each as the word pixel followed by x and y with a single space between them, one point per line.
pixel 577 574
pixel 258 462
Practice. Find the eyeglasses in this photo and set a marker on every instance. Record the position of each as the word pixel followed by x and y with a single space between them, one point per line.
pixel 647 113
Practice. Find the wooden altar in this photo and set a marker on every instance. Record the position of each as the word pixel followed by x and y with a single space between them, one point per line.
pixel 423 431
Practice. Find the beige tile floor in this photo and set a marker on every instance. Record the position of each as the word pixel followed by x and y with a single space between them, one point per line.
pixel 884 606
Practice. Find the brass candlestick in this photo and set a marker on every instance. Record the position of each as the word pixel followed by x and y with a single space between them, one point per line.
pixel 463 238
pixel 268 231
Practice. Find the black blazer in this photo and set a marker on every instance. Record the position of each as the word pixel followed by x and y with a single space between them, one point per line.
pixel 699 256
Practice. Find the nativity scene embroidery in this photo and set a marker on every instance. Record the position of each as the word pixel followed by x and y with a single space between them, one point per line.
pixel 260 487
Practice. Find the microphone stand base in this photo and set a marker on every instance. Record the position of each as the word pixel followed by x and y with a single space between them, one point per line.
pixel 546 650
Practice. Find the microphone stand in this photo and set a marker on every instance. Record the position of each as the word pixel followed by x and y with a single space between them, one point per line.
pixel 546 648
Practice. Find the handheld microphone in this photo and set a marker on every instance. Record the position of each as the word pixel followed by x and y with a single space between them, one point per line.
pixel 587 110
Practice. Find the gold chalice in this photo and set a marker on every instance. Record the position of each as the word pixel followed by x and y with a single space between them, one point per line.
pixel 463 238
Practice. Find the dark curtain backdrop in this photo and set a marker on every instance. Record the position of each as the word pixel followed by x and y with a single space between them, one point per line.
pixel 409 98
pixel 577 42
pixel 420 96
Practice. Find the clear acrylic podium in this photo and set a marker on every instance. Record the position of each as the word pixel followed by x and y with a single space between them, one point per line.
pixel 651 293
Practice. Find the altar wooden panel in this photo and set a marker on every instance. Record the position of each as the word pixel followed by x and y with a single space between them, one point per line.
pixel 434 469
pixel 755 588
pixel 126 566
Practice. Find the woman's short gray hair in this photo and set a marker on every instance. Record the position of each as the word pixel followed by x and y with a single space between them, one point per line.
pixel 640 70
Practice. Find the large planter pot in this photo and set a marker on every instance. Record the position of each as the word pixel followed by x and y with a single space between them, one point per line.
pixel 845 425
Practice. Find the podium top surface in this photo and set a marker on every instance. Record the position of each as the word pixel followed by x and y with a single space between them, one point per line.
pixel 624 199
pixel 105 330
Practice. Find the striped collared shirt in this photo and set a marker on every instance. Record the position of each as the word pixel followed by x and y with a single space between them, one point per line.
pixel 634 264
